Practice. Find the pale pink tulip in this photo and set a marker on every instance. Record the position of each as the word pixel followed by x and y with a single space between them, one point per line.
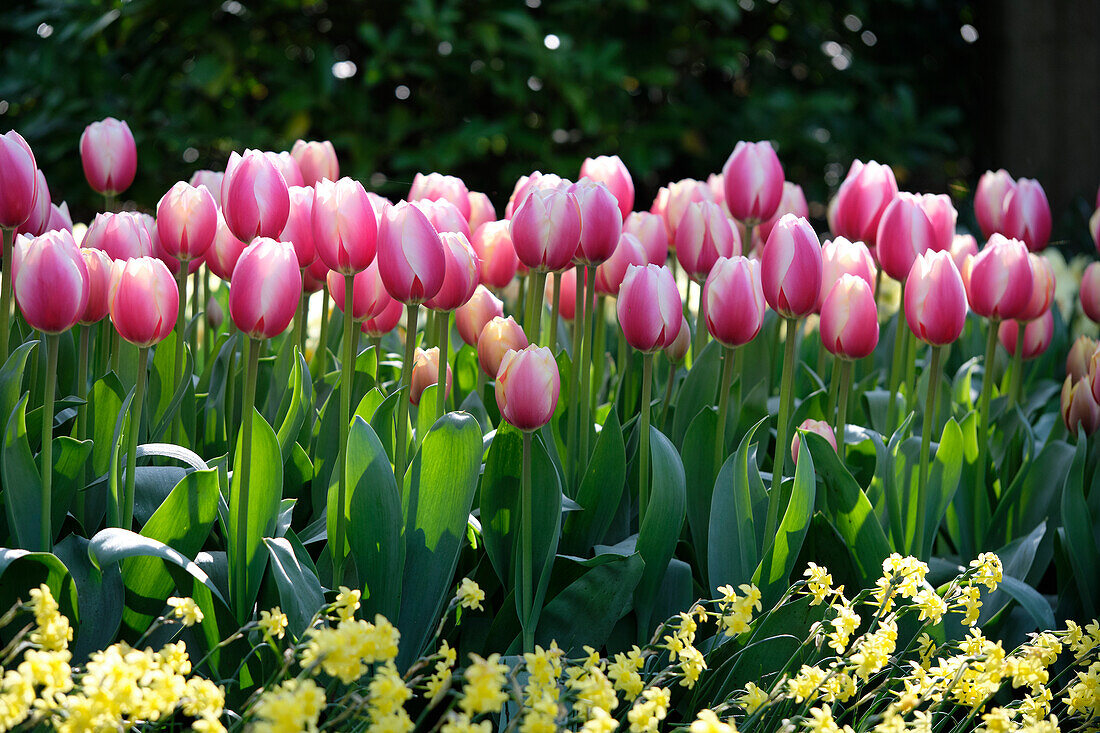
pixel 527 387
pixel 734 301
pixel 109 156
pixel 649 308
pixel 316 160
pixel 50 281
pixel 255 198
pixel 410 254
pixel 790 268
pixel 144 301
pixel 472 316
pixel 461 276
pixel 753 179
pixel 610 171
pixel 265 288
pixel 1000 281
pixel 187 220
pixel 935 299
pixel 849 319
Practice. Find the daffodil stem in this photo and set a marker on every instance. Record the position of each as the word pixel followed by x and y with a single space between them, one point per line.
pixel 400 442
pixel 643 438
pixel 527 552
pixel 52 342
pixel 925 445
pixel 127 510
pixel 786 400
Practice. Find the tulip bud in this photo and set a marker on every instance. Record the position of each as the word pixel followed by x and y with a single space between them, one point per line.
pixel 461 275
pixel 649 308
pixel 753 179
pixel 659 207
pixel 702 237
pixel 471 317
pixel 1079 407
pixel 287 166
pixel 316 160
pixel 100 269
pixel 1042 288
pixel 211 181
pixel 223 254
pixel 1077 362
pixel 1090 292
pixel 265 288
pixel 941 213
pixel 861 200
pixel 935 299
pixel 255 197
pixel 734 301
pixel 681 195
pixel 38 222
pixel 50 281
pixel 299 225
pixel 904 233
pixel 385 321
pixel 989 200
pixel 1000 279
pixel 425 373
pixel 410 255
pixel 849 319
pixel 962 247
pixel 481 210
pixel 609 275
pixel 187 220
pixel 344 227
pixel 601 222
pixel 122 236
pixel 368 295
pixel 527 387
pixel 215 316
pixel 813 426
pixel 790 268
pixel 1038 334
pixel 144 300
pixel 611 172
pixel 60 218
pixel 499 336
pixel 678 349
pixel 496 256
pixel 716 182
pixel 651 232
pixel 109 156
pixel 1027 215
pixel 315 276
pixel 436 187
pixel 546 230
pixel 839 257
pixel 793 202
pixel 444 216
pixel 18 180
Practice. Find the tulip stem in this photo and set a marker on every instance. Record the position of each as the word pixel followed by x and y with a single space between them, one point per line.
pixel 85 336
pixel 116 350
pixel 786 400
pixel 136 408
pixel 207 329
pixel 181 316
pixel 586 366
pixel 700 327
pixel 303 334
pixel 669 384
pixel 834 388
pixel 911 349
pixel 527 552
pixel 925 442
pixel 1017 374
pixel 52 342
pixel 320 356
pixel 555 310
pixel 574 378
pixel 643 438
pixel 723 407
pixel 347 378
pixel 196 308
pixel 842 406
pixel 8 236
pixel 600 350
pixel 400 442
pixel 983 420
pixel 443 318
pixel 521 298
pixel 896 366
pixel 240 575
pixel 622 362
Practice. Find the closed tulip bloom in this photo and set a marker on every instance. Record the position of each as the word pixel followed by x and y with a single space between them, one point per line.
pixel 143 301
pixel 1038 334
pixel 444 216
pixel 18 180
pixel 368 294
pixel 425 373
pixel 1042 288
pixel 410 254
pixel 316 160
pixel 315 276
pixel 861 200
pixel 681 195
pixel 379 204
pixel 60 218
pixel 941 212
pixel 345 230
pixel 39 220
pixel 265 288
pixel 472 316
pixel 100 269
pixel 839 257
pixel 255 197
pixel 299 225
pixel 601 222
pixel 526 185
pixel 849 319
pixel 481 210
pixel 497 261
pixel 436 187
pixel 498 336
pixel 109 156
pixel 50 281
pixel 161 253
pixel 1077 362
pixel 754 182
pixel 385 321
pixel 609 275
pixel 678 349
pixel 122 236
pixel 649 308
pixel 211 181
pixel 1090 292
pixel 790 268
pixel 963 246
pixel 703 236
pixel 659 206
pixel 546 230
pixel 1079 407
pixel 792 202
pixel 527 387
pixel 1001 279
pixel 285 163
pixel 716 182
pixel 223 254
pixel 651 231
pixel 904 233
pixel 989 200
pixel 734 301
pixel 611 172
pixel 935 299
pixel 461 276
pixel 820 427
pixel 187 220
pixel 1027 215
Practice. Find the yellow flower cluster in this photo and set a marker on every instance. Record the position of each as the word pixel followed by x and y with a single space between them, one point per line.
pixel 186 610
pixel 735 611
pixel 346 650
pixel 595 694
pixel 470 595
pixel 680 645
pixel 544 668
pixel 483 691
pixel 649 710
pixel 273 623
pixel 294 706
pixel 707 722
pixel 624 673
pixel 388 695
pixel 440 681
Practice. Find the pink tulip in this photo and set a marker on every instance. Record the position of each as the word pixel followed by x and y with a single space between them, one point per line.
pixel 567 297
pixel 546 230
pixel 904 233
pixel 611 172
pixel 425 373
pixel 436 187
pixel 410 254
pixel 299 225
pixel 1090 292
pixel 109 155
pixel 609 275
pixel 265 288
pixel 935 299
pixel 820 427
pixel 211 181
pixel 368 295
pixel 472 316
pixel 793 202
pixel 941 212
pixel 790 268
pixel 316 160
pixel 1042 288
pixel 1077 361
pixel 963 246
pixel 481 210
pixel 385 321
pixel 849 319
pixel 734 301
pixel 651 231
pixel 18 180
pixel 255 197
pixel 122 236
pixel 143 301
pixel 461 276
pixel 601 222
pixel 497 259
pixel 839 257
pixel 60 218
pixel 1001 279
pixel 659 207
pixel 716 182
pixel 1079 407
pixel 223 254
pixel 497 337
pixel 38 222
pixel 315 276
pixel 681 195
pixel 861 200
pixel 444 216
pixel 1038 334
pixel 678 349
pixel 703 236
pixel 100 270
pixel 1027 215
pixel 345 230
pixel 526 185
pixel 379 204
pixel 989 200
pixel 649 308
pixel 287 166
pixel 160 252
pixel 50 281
pixel 187 220
pixel 754 182
pixel 527 387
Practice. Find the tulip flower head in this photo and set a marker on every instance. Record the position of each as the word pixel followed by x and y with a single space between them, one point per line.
pixel 840 256
pixel 435 187
pixel 1079 408
pixel 461 276
pixel 935 299
pixel 315 276
pixel 793 202
pixel 187 220
pixel 425 373
pixel 223 254
pixel 345 230
pixel 1090 292
pixel 567 297
pixel 498 337
pixel 50 281
pixel 820 427
pixel 255 197
pixel 385 321
pixel 651 231
pixel 143 301
pixel 904 233
pixel 849 319
pixel 611 172
pixel 122 236
pixel 527 185
pixel 368 295
pixel 444 216
pixel 546 230
pixel 471 317
pixel 1042 288
pixel 649 308
pixel 527 387
pixel 497 261
pixel 609 275
pixel 941 212
pixel 734 301
pixel 1027 215
pixel 316 160
pixel 265 288
pixel 298 230
pixel 1077 362
pixel 410 254
pixel 601 222
pixel 109 155
pixel 1000 282
pixel 18 180
pixel 1037 335
pixel 989 200
pixel 753 179
pixel 285 163
pixel 703 236
pixel 962 247
pixel 101 270
pixel 60 218
pixel 682 194
pixel 211 181
pixel 38 221
pixel 861 200
pixel 678 349
pixel 481 210
pixel 790 268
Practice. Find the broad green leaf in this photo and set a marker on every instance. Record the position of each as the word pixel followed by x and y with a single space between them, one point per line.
pixel 300 593
pixel 1031 497
pixel 165 397
pixel 660 528
pixel 697 390
pixel 296 404
pixel 113 545
pixel 773 573
pixel 1081 548
pixel 102 597
pixel 601 596
pixel 943 481
pixel 21 570
pixel 700 473
pixel 69 457
pixel 105 404
pixel 600 491
pixel 733 553
pixel 11 378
